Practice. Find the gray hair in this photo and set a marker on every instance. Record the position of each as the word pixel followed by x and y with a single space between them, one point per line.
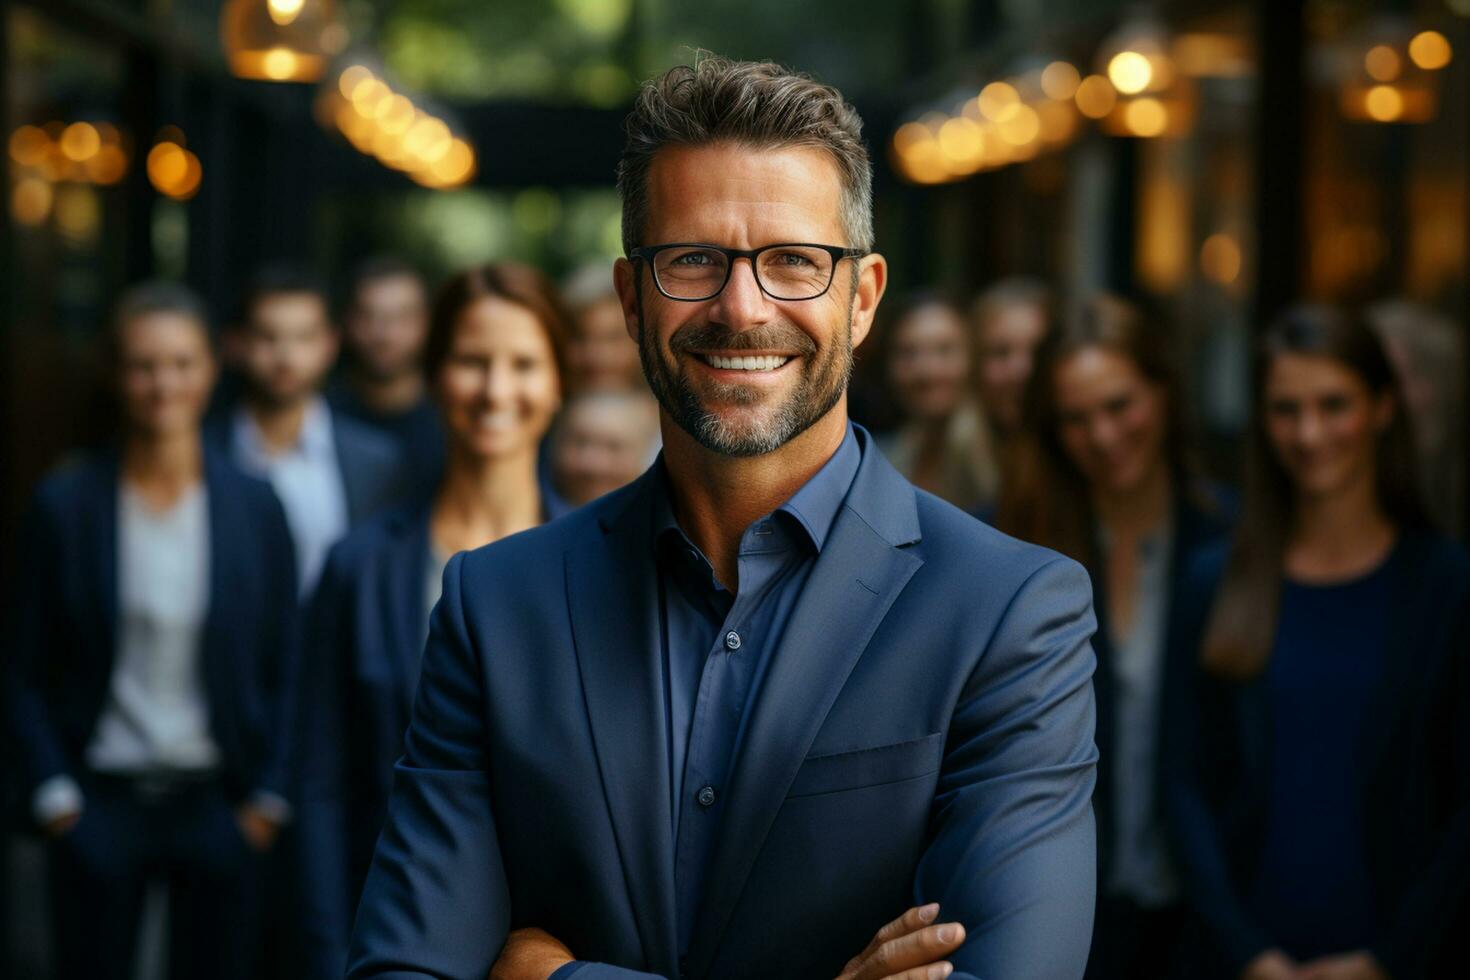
pixel 748 103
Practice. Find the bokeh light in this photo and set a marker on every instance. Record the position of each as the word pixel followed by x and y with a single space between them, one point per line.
pixel 1430 50
pixel 1095 97
pixel 1059 80
pixel 1130 72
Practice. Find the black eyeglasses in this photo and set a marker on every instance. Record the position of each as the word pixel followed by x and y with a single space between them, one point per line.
pixel 693 272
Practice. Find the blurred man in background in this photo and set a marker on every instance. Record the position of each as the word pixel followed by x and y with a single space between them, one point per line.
pixel 329 470
pixel 602 441
pixel 384 327
pixel 1010 319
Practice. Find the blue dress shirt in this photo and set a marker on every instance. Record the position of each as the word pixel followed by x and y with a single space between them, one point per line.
pixel 717 646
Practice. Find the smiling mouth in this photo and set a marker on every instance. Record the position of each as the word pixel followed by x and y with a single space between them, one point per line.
pixel 755 362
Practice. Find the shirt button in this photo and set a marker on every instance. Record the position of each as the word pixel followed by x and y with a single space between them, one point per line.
pixel 706 796
pixel 732 640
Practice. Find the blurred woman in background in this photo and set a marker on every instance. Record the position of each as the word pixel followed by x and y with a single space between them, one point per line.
pixel 495 360
pixel 1318 776
pixel 150 648
pixel 1099 472
pixel 944 445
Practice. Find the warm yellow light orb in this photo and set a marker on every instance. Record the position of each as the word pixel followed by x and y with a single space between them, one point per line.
pixel 1021 128
pixel 1095 97
pixel 1384 103
pixel 80 141
pixel 351 77
pixel 1059 80
pixel 1146 117
pixel 1220 258
pixel 999 101
pixel 1130 72
pixel 284 12
pixel 29 146
pixel 279 64
pixel 1430 50
pixel 1382 63
pixel 109 166
pixel 167 166
pixel 962 142
pixel 30 201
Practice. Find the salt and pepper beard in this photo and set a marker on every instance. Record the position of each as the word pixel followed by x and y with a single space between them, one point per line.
pixel 821 387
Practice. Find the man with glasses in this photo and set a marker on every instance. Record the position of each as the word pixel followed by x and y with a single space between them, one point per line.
pixel 730 720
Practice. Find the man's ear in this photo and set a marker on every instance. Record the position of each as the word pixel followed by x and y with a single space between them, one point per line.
pixel 872 280
pixel 625 281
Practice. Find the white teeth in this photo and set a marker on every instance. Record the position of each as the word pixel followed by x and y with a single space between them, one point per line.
pixel 762 363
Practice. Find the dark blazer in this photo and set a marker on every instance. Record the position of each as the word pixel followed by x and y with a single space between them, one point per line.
pixel 1197 529
pixel 63 623
pixel 365 628
pixel 365 631
pixel 373 472
pixel 1416 791
pixel 924 733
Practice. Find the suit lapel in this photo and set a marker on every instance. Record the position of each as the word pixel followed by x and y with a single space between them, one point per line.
pixel 857 577
pixel 613 599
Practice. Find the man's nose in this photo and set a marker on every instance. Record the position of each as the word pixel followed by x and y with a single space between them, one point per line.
pixel 742 304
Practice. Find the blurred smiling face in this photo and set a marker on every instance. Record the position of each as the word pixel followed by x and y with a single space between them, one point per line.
pixel 1111 419
pixel 1323 422
pixel 166 372
pixel 498 387
pixel 929 362
pixel 743 373
pixel 288 347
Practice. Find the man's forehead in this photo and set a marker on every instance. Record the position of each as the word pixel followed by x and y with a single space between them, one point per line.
pixel 741 196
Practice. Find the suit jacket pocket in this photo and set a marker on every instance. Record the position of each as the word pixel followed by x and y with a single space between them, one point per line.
pixel 868 767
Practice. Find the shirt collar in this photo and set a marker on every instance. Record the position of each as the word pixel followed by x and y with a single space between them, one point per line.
pixel 315 439
pixel 813 507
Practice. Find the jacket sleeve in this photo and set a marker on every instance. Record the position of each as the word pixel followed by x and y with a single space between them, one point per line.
pixel 34 634
pixel 1196 755
pixel 436 902
pixel 320 778
pixel 282 618
pixel 1422 925
pixel 1012 854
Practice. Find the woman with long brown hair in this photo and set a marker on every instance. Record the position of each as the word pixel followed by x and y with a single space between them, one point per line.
pixel 944 444
pixel 1099 472
pixel 496 365
pixel 1319 763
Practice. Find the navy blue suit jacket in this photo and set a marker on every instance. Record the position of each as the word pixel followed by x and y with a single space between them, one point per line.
pixel 373 472
pixel 925 733
pixel 365 633
pixel 1416 791
pixel 63 621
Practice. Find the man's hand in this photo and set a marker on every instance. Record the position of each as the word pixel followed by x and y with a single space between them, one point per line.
pixel 1348 966
pixel 259 830
pixel 530 954
pixel 908 948
pixel 1273 964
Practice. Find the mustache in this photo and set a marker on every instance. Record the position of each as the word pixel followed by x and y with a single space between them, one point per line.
pixel 716 336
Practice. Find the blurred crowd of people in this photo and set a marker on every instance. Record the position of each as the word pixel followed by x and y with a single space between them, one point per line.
pixel 215 635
